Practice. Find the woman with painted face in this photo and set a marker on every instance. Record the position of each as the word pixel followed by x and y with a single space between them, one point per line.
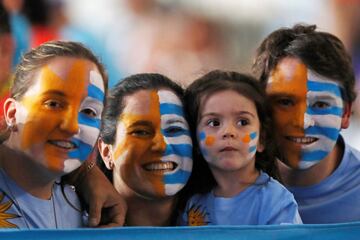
pixel 234 166
pixel 53 118
pixel 309 80
pixel 146 147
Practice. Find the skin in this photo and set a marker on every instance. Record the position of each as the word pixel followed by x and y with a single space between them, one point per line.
pixel 228 136
pixel 308 115
pixel 152 149
pixel 57 120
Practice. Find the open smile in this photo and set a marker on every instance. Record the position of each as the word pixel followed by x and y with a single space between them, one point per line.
pixel 68 145
pixel 160 166
pixel 302 140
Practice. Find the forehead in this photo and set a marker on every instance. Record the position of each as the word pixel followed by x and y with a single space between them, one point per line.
pixel 66 74
pixel 144 101
pixel 291 76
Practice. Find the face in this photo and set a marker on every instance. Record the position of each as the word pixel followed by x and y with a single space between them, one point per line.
pixel 308 111
pixel 58 118
pixel 228 131
pixel 152 153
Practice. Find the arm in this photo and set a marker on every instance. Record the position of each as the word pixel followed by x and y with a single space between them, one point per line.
pixel 105 205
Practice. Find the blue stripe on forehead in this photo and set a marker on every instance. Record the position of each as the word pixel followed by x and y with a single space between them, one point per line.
pixel 95 92
pixel 332 133
pixel 86 120
pixel 171 108
pixel 180 177
pixel 324 87
pixel 184 150
pixel 82 152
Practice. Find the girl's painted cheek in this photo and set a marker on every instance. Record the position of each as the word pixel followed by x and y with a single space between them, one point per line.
pixel 248 139
pixel 202 143
pixel 209 140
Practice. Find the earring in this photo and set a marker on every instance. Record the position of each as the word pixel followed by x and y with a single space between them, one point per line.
pixel 111 164
pixel 12 127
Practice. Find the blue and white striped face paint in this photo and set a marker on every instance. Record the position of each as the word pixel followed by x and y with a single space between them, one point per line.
pixel 89 120
pixel 178 141
pixel 308 111
pixel 322 119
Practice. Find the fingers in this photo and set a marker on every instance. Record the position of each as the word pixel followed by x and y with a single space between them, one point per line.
pixel 94 213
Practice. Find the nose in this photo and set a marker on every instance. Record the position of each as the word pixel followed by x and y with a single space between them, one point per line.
pixel 299 115
pixel 70 123
pixel 158 142
pixel 229 132
pixel 308 121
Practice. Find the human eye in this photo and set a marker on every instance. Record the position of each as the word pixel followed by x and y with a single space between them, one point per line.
pixel 213 122
pixel 174 130
pixel 53 104
pixel 284 102
pixel 320 105
pixel 141 132
pixel 243 122
pixel 90 112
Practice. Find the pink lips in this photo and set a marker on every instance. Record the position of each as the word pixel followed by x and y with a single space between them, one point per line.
pixel 228 149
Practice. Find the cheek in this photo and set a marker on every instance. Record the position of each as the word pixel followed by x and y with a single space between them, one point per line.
pixel 250 142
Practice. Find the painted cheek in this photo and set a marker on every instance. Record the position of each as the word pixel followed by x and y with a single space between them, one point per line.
pixel 250 140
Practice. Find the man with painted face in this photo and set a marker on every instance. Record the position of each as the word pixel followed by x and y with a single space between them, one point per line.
pixel 145 143
pixel 309 80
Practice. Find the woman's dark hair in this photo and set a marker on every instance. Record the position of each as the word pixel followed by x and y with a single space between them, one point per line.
pixel 202 180
pixel 115 103
pixel 4 21
pixel 321 52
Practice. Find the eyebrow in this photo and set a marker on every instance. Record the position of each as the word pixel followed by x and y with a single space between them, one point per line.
pixel 177 120
pixel 141 123
pixel 55 92
pixel 217 115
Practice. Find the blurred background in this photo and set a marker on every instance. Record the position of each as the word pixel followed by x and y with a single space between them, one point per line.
pixel 182 39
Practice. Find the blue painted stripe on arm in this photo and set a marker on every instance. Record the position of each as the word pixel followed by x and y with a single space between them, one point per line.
pixel 82 152
pixel 170 108
pixel 184 150
pixel 337 111
pixel 313 155
pixel 180 176
pixel 324 87
pixel 92 122
pixel 95 92
pixel 332 133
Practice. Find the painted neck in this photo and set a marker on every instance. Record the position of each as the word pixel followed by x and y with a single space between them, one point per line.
pixel 315 174
pixel 19 167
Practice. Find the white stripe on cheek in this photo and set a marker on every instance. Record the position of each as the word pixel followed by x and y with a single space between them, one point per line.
pixel 87 134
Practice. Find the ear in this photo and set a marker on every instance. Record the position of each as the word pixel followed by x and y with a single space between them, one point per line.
pixel 10 112
pixel 345 120
pixel 106 154
pixel 260 147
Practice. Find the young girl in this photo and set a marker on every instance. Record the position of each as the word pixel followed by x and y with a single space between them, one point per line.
pixel 53 119
pixel 234 168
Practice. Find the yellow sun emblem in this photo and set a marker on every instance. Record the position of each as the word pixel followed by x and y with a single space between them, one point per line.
pixel 4 216
pixel 197 217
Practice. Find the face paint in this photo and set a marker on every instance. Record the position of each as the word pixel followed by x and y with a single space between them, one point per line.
pixel 227 131
pixel 308 111
pixel 59 116
pixel 153 149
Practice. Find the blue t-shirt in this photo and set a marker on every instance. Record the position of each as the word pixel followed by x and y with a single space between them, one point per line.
pixel 336 199
pixel 264 202
pixel 27 211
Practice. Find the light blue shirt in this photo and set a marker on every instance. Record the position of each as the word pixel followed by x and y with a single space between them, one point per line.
pixel 19 209
pixel 264 202
pixel 336 199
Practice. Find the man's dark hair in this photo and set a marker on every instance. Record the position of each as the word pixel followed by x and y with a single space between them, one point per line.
pixel 321 52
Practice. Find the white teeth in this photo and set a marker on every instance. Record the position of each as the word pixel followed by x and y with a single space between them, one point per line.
pixel 160 166
pixel 303 140
pixel 63 144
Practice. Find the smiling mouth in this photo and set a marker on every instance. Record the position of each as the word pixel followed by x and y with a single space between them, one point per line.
pixel 302 140
pixel 160 166
pixel 63 144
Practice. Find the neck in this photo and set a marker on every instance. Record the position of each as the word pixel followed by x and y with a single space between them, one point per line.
pixel 150 212
pixel 23 171
pixel 314 174
pixel 231 183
